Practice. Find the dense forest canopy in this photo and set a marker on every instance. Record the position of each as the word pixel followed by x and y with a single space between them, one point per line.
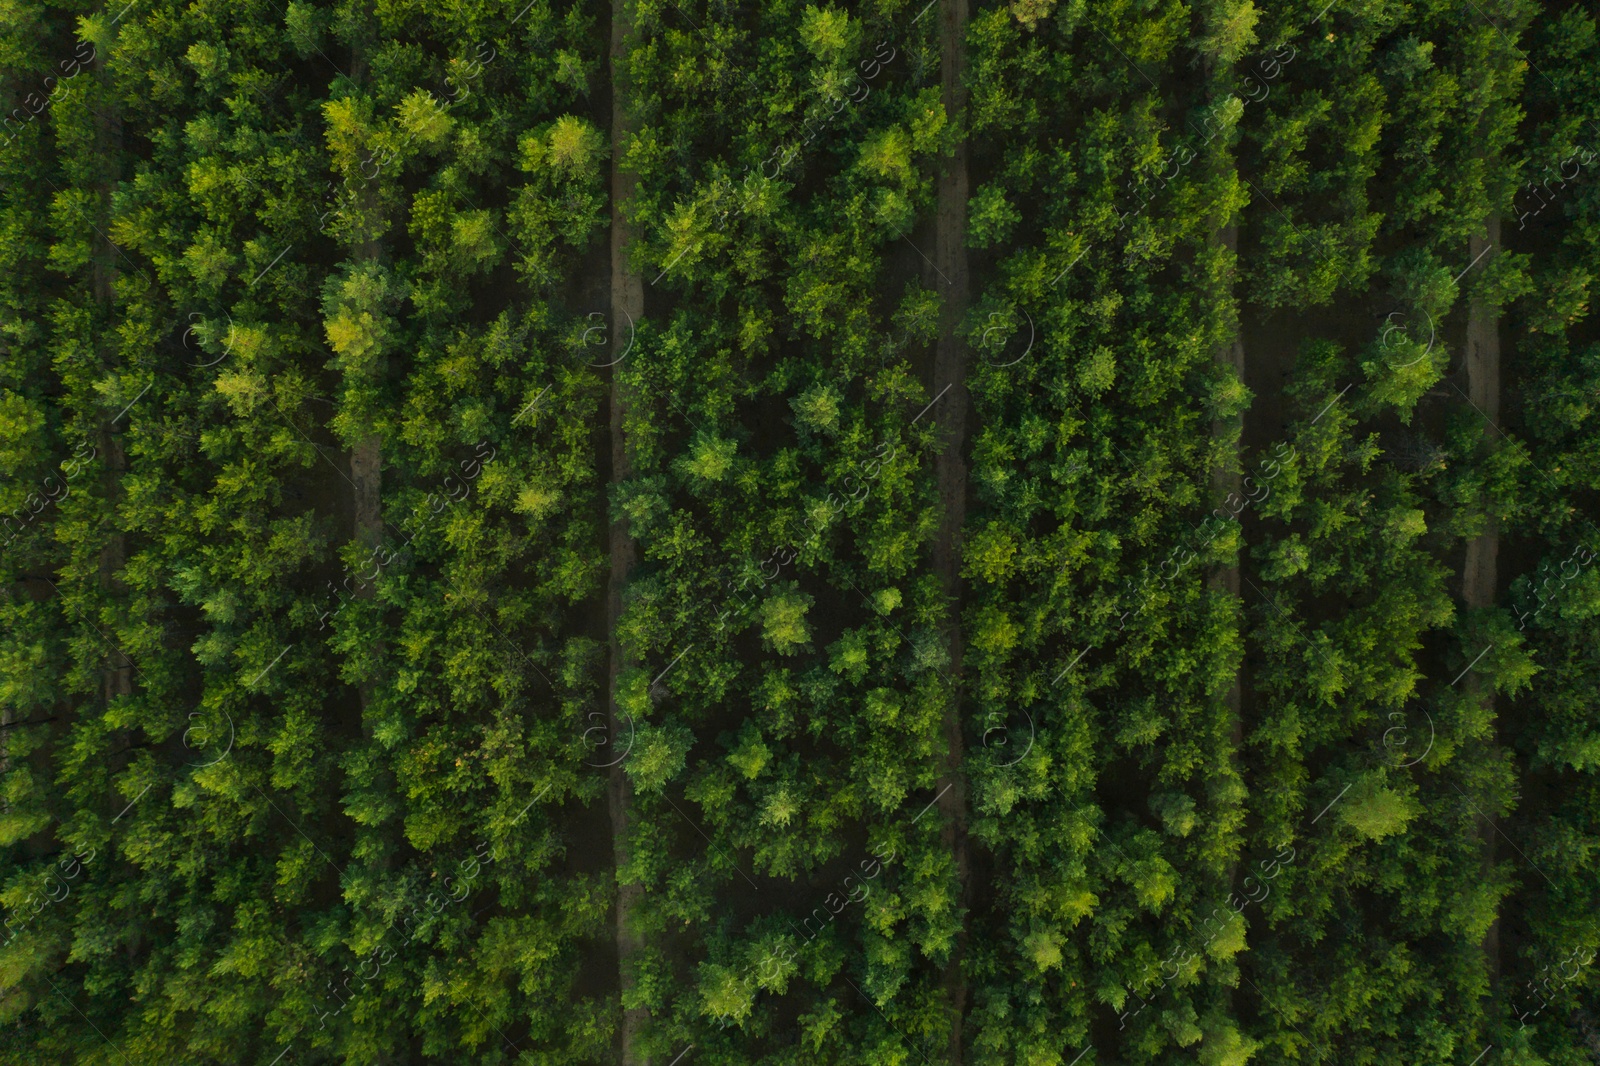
pixel 1024 533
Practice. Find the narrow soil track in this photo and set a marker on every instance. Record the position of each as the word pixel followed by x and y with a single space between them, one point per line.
pixel 1479 575
pixel 627 305
pixel 118 677
pixel 366 456
pixel 950 373
pixel 1227 479
pixel 1483 387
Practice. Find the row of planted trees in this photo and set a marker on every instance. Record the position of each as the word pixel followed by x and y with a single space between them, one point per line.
pixel 289 276
pixel 477 585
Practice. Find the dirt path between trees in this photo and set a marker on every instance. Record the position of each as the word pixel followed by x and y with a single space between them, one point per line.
pixel 1227 479
pixel 1479 573
pixel 1478 577
pixel 627 305
pixel 950 372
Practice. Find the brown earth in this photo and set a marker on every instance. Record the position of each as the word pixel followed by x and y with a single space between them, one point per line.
pixel 1479 573
pixel 627 304
pixel 950 372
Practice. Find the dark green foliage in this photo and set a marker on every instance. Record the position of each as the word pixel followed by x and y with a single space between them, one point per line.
pixel 306 483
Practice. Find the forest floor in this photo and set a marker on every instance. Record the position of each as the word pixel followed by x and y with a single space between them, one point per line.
pixel 1480 578
pixel 949 372
pixel 627 304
